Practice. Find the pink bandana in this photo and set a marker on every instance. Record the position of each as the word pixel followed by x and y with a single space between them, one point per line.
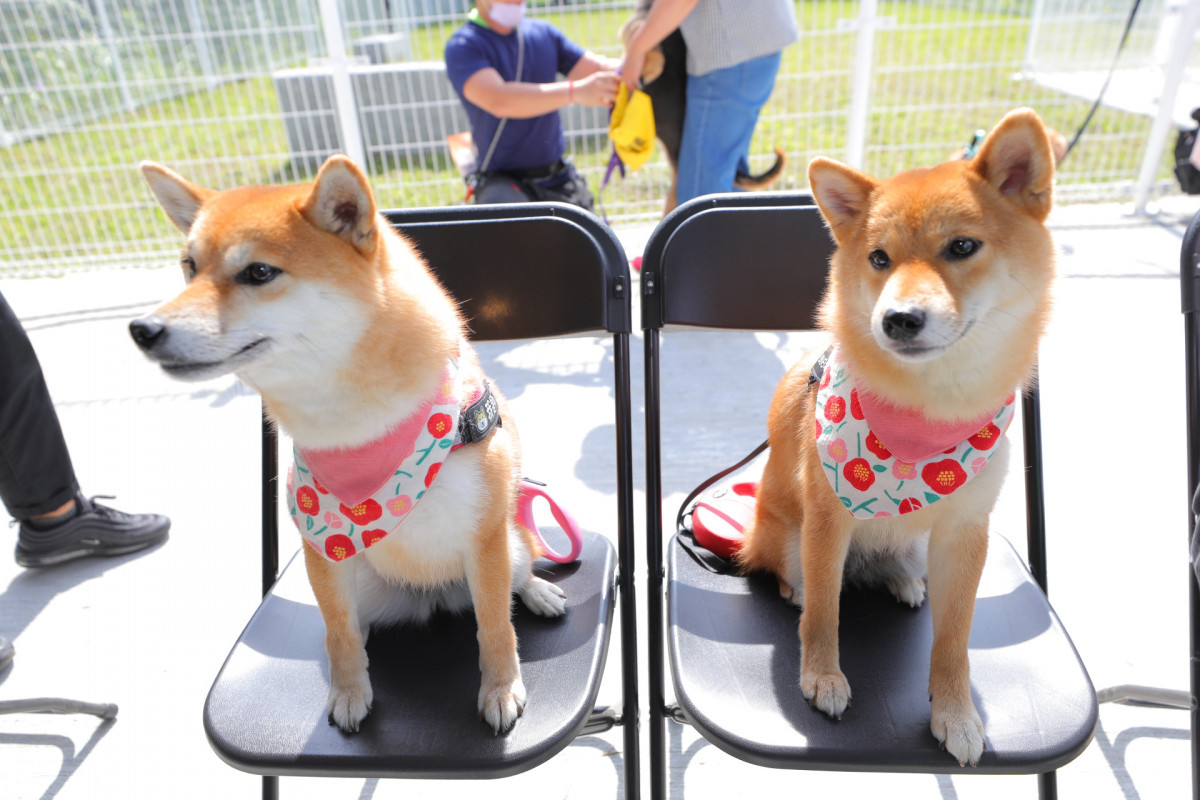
pixel 345 500
pixel 882 461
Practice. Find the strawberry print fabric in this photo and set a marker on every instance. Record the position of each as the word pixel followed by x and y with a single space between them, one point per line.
pixel 872 482
pixel 403 472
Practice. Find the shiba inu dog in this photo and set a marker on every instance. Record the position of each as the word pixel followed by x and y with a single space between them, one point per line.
pixel 308 295
pixel 886 460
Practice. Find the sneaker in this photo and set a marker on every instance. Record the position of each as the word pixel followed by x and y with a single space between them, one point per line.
pixel 93 530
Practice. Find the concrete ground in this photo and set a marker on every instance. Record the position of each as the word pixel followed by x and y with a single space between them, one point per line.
pixel 149 631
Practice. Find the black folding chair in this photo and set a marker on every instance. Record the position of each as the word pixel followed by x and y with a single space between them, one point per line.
pixel 745 262
pixel 520 272
pixel 1189 276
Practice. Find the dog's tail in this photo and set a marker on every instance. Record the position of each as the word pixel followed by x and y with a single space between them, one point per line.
pixel 763 180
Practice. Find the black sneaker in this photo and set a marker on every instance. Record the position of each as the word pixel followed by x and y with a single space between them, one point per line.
pixel 94 530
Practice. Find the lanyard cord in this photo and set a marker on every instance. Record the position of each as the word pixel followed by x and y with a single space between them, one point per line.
pixel 487 159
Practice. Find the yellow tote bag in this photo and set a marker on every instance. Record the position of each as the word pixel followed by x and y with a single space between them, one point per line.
pixel 631 127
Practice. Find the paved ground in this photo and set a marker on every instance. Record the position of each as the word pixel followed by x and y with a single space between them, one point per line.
pixel 149 631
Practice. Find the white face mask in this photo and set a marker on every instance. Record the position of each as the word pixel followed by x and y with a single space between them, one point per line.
pixel 507 15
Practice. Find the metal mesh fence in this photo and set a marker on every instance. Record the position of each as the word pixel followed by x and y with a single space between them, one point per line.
pixel 231 92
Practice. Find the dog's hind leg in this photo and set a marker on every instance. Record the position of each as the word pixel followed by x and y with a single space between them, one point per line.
pixel 335 587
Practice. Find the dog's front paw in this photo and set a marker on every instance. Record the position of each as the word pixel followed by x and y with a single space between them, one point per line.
pixel 501 703
pixel 959 730
pixel 350 701
pixel 910 591
pixel 543 598
pixel 827 691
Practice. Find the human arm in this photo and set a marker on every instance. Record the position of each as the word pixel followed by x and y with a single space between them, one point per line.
pixel 518 100
pixel 663 18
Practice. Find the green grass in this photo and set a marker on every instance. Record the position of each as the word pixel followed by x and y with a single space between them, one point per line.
pixel 940 74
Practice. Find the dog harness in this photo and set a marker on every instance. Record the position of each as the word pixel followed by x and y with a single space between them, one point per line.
pixel 881 460
pixel 344 500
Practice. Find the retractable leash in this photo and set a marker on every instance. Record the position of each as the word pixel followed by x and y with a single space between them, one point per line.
pixel 532 490
pixel 719 517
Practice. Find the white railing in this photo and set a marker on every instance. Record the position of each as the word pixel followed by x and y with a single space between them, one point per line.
pixel 232 92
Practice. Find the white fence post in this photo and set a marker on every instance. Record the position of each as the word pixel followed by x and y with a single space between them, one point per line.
pixel 110 41
pixel 200 42
pixel 343 87
pixel 1172 76
pixel 860 94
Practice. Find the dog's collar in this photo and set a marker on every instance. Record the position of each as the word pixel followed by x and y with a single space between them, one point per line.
pixel 345 500
pixel 869 479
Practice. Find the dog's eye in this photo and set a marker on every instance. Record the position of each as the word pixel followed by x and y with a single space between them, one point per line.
pixel 189 268
pixel 879 259
pixel 962 247
pixel 258 273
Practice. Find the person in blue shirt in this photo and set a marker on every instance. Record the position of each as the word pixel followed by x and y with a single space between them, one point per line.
pixel 505 69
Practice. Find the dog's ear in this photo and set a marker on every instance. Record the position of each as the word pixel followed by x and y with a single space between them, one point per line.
pixel 1016 158
pixel 341 203
pixel 180 199
pixel 843 194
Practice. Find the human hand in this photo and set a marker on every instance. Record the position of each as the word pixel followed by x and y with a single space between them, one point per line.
pixel 597 89
pixel 631 67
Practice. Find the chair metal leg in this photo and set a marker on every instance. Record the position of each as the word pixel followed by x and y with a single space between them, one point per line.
pixel 270 787
pixel 1048 786
pixel 627 545
pixel 654 575
pixel 270 504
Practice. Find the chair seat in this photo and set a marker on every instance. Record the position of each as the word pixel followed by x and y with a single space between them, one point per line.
pixel 266 710
pixel 735 660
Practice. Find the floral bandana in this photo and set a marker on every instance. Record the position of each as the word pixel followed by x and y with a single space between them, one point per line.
pixel 866 476
pixel 345 500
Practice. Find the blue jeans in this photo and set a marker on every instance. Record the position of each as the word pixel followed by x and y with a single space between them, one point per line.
pixel 722 110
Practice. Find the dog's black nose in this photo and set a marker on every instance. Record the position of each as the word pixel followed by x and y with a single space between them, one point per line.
pixel 903 325
pixel 147 332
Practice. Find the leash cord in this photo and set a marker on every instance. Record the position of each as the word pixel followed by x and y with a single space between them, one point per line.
pixel 1104 88
pixel 683 512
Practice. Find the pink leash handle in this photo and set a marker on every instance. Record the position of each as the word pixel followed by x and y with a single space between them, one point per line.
pixel 529 492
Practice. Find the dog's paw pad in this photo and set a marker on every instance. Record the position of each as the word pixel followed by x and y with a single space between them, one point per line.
pixel 544 598
pixel 828 692
pixel 500 705
pixel 910 591
pixel 349 705
pixel 960 734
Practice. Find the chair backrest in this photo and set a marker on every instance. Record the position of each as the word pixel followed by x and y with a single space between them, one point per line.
pixel 577 283
pixel 722 261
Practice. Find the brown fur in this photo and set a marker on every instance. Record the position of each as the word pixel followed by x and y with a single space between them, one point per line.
pixel 355 332
pixel 801 532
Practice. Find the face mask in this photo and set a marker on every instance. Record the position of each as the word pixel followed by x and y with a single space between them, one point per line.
pixel 507 15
